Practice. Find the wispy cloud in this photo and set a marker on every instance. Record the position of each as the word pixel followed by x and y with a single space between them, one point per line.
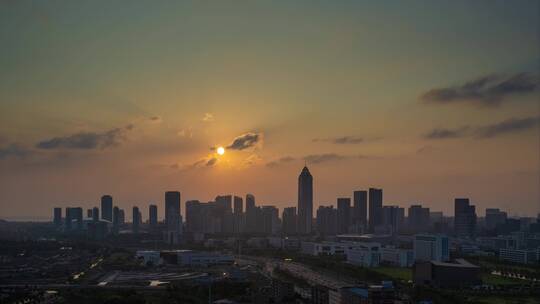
pixel 280 161
pixel 488 90
pixel 509 126
pixel 86 140
pixel 440 133
pixel 155 119
pixel 245 141
pixel 512 125
pixel 341 140
pixel 14 150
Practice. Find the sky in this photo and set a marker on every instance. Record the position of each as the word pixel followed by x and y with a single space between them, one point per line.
pixel 429 100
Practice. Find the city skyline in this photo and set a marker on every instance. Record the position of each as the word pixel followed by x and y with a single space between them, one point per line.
pixel 95 100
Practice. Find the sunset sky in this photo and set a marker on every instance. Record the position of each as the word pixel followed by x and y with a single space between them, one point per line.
pixel 429 100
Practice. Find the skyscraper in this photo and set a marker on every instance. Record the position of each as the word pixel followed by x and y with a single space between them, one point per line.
pixel 116 220
pixel 106 207
pixel 418 218
pixel 327 220
pixel 152 215
pixel 343 214
pixel 251 214
pixel 392 218
pixel 375 208
pixel 495 217
pixel 289 221
pixel 270 219
pixel 360 208
pixel 238 205
pixel 305 201
pixel 136 219
pixel 57 220
pixel 95 214
pixel 464 217
pixel 173 219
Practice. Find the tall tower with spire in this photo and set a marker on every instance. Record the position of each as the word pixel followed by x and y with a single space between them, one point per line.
pixel 305 201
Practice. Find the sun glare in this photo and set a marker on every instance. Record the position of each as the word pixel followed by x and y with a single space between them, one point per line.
pixel 220 150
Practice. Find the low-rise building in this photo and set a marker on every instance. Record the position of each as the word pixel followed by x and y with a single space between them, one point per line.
pixel 364 254
pixel 184 257
pixel 397 256
pixel 522 256
pixel 444 274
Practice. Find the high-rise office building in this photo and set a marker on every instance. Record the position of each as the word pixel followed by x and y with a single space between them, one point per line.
pixel 270 222
pixel 327 218
pixel 116 220
pixel 224 209
pixel 152 215
pixel 74 218
pixel 289 220
pixel 375 208
pixel 173 218
pixel 343 214
pixel 393 217
pixel 418 218
pixel 360 208
pixel 95 214
pixel 494 218
pixel 194 219
pixel 136 219
pixel 238 205
pixel 57 219
pixel 305 201
pixel 89 213
pixel 224 203
pixel 106 207
pixel 429 247
pixel 121 217
pixel 239 217
pixel 464 217
pixel 251 214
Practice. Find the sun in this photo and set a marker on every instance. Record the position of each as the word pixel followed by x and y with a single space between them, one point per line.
pixel 220 150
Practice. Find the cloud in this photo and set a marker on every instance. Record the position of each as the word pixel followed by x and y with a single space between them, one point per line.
pixel 208 117
pixel 246 141
pixel 14 150
pixel 509 126
pixel 447 133
pixel 280 161
pixel 212 161
pixel 188 132
pixel 488 90
pixel 321 158
pixel 155 119
pixel 341 140
pixel 86 140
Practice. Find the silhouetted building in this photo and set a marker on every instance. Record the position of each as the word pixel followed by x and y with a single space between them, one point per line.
pixel 74 218
pixel 136 220
pixel 393 217
pixel 375 208
pixel 343 214
pixel 152 216
pixel 495 217
pixel 116 220
pixel 194 220
pixel 418 218
pixel 464 217
pixel 95 214
pixel 327 219
pixel 305 201
pixel 270 223
pixel 251 214
pixel 289 219
pixel 106 207
pixel 224 212
pixel 89 213
pixel 57 219
pixel 360 199
pixel 121 217
pixel 173 219
pixel 239 217
pixel 238 205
